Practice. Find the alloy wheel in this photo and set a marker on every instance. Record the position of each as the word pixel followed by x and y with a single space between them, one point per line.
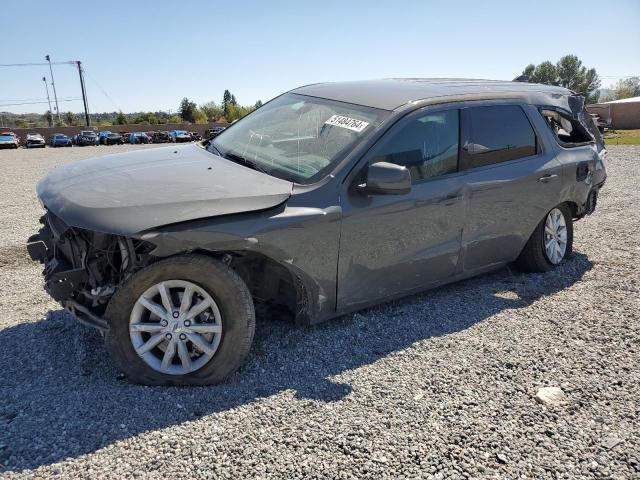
pixel 175 327
pixel 555 236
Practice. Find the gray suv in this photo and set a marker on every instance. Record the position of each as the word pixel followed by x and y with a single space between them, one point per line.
pixel 328 199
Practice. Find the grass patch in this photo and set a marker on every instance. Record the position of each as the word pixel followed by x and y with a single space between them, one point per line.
pixel 622 137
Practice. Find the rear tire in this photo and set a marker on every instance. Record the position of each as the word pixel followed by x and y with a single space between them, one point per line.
pixel 534 256
pixel 227 349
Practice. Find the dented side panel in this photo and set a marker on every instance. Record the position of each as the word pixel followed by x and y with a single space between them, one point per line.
pixel 304 240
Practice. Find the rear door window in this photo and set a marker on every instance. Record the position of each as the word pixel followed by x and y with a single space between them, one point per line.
pixel 495 134
pixel 427 145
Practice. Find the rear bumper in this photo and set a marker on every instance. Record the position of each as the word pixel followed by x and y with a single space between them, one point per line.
pixel 592 199
pixel 589 206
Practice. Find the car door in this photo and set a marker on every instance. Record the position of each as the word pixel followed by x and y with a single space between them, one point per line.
pixel 394 244
pixel 512 180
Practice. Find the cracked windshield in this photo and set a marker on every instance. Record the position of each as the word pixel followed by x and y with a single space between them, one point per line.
pixel 297 137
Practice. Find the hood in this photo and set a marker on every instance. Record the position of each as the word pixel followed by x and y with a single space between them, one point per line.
pixel 127 193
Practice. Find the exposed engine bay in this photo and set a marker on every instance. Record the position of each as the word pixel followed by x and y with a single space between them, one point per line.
pixel 83 268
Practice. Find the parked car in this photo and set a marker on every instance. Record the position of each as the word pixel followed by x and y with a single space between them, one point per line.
pixel 60 140
pixel 328 199
pixel 212 133
pixel 9 140
pixel 195 136
pixel 125 136
pixel 34 140
pixel 102 135
pixel 112 139
pixel 161 137
pixel 180 136
pixel 85 137
pixel 138 137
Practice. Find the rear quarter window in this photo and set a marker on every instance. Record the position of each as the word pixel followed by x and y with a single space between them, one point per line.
pixel 496 134
pixel 569 132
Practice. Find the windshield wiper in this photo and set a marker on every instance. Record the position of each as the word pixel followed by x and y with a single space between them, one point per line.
pixel 213 149
pixel 234 157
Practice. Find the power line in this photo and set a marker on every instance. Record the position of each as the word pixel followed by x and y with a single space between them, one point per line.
pixel 21 99
pixel 71 99
pixel 55 95
pixel 70 62
pixel 101 89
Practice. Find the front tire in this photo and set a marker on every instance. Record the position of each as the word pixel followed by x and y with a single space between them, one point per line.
pixel 550 243
pixel 186 320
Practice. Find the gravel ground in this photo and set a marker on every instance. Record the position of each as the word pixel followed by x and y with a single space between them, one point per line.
pixel 440 385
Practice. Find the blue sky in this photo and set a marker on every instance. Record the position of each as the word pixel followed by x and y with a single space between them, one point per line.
pixel 147 55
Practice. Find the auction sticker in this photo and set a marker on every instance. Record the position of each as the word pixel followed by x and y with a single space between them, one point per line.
pixel 347 122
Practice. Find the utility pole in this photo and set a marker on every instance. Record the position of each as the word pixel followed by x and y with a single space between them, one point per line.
pixel 44 79
pixel 84 94
pixel 55 95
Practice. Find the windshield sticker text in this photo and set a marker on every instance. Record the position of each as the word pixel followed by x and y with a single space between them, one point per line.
pixel 347 122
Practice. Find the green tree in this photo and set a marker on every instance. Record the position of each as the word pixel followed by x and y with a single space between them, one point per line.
pixel 226 98
pixel 544 73
pixel 148 118
pixel 569 73
pixel 574 76
pixel 235 112
pixel 188 110
pixel 229 101
pixel 201 117
pixel 140 118
pixel 120 119
pixel 212 110
pixel 69 118
pixel 627 88
pixel 257 105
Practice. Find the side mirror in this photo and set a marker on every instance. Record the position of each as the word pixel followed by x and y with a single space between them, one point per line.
pixel 384 178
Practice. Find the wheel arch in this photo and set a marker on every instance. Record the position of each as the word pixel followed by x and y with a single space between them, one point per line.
pixel 271 281
pixel 573 208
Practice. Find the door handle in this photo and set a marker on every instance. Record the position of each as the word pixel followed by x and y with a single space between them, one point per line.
pixel 450 199
pixel 547 178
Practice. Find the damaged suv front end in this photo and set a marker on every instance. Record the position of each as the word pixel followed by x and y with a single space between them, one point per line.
pixel 97 211
pixel 83 268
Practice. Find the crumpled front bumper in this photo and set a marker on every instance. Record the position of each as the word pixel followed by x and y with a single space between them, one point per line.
pixel 63 272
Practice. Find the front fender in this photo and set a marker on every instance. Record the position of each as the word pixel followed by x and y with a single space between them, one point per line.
pixel 304 241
